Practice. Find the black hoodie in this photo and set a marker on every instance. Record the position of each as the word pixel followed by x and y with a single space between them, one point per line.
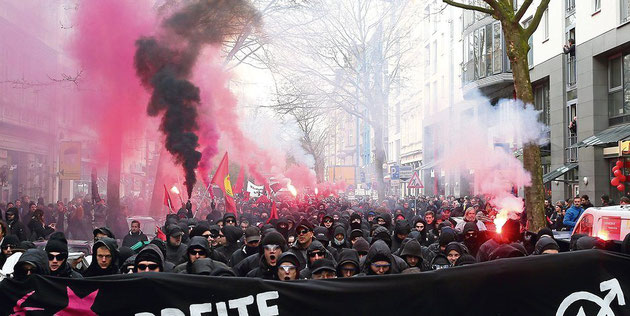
pixel 402 227
pixel 379 251
pixel 153 251
pixel 232 235
pixel 207 266
pixel 339 245
pixel 195 242
pixel 174 254
pixel 16 227
pixel 94 269
pixel 348 256
pixel 37 258
pixel 315 246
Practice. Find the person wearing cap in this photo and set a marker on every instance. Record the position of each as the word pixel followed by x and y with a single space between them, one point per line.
pixel 273 245
pixel 102 232
pixel 252 240
pixel 104 258
pixel 316 251
pixel 15 226
pixel 8 246
pixel 149 259
pixel 33 261
pixel 324 269
pixel 57 251
pixel 175 250
pixel 304 233
pixel 348 265
pixel 288 266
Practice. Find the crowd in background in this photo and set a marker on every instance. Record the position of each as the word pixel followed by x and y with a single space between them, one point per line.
pixel 306 239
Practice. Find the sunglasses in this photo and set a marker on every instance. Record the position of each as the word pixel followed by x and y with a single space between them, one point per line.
pixel 313 254
pixel 5 247
pixel 230 221
pixel 197 252
pixel 271 247
pixel 59 257
pixel 151 266
pixel 385 265
pixel 288 269
pixel 419 226
pixel 328 220
pixel 302 231
pixel 207 236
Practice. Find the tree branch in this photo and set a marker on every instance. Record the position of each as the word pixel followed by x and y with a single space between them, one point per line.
pixel 522 10
pixel 469 7
pixel 540 11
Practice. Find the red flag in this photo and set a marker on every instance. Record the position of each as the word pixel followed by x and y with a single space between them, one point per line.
pixel 238 188
pixel 167 200
pixel 274 212
pixel 160 234
pixel 222 179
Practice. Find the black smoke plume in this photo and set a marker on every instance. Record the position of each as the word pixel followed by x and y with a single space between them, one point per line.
pixel 164 65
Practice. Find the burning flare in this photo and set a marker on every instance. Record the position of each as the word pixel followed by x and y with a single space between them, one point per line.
pixel 292 189
pixel 175 190
pixel 500 219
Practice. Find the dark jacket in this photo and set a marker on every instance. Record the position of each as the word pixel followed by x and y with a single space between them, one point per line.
pixel 232 236
pixel 132 239
pixel 38 230
pixel 94 269
pixel 264 270
pixel 315 246
pixel 195 242
pixel 338 246
pixel 65 271
pixel 207 266
pixel 16 227
pixel 248 264
pixel 413 248
pixel 157 254
pixel 402 227
pixel 37 258
pixel 242 253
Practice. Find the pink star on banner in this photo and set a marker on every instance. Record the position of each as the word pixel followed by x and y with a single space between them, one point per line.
pixel 78 306
pixel 18 310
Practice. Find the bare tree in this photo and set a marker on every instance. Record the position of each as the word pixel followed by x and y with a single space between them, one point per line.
pixel 516 39
pixel 350 55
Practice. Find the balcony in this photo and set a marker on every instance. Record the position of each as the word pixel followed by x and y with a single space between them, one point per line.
pixel 571 152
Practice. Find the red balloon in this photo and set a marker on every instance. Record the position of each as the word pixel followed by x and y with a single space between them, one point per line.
pixel 617 173
pixel 614 182
pixel 622 178
pixel 621 187
pixel 619 163
pixel 615 168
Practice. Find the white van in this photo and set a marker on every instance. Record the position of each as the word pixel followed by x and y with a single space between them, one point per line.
pixel 607 223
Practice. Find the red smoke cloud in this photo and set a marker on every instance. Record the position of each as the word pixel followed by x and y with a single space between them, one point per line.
pixel 115 102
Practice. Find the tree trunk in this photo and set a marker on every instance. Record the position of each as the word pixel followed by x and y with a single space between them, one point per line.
pixel 517 49
pixel 113 187
pixel 379 159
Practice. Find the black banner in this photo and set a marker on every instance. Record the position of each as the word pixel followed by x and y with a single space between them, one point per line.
pixel 595 282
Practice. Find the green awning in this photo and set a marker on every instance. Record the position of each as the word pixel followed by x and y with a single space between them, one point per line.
pixel 607 136
pixel 558 172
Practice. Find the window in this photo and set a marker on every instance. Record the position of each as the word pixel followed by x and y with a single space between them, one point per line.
pixel 546 25
pixel 625 10
pixel 434 57
pixel 541 102
pixel 597 5
pixel 618 88
pixel 482 52
pixel 585 226
pixel 488 49
pixel 530 54
pixel 497 43
pixel 570 5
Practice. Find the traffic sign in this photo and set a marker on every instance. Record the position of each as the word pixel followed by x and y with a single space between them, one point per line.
pixel 405 172
pixel 414 182
pixel 394 172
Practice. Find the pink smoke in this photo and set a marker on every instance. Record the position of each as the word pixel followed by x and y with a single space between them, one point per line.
pixel 104 49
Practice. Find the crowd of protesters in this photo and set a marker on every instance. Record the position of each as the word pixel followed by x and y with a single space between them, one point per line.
pixel 314 239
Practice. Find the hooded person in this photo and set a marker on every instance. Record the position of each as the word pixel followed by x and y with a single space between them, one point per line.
pixel 102 232
pixel 339 241
pixel 323 269
pixel 546 245
pixel 316 251
pixel 412 254
pixel 471 237
pixel 149 259
pixel 175 248
pixel 454 250
pixel 420 225
pixel 282 226
pixel 348 263
pixel 401 231
pixel 356 222
pixel 506 251
pixel 57 252
pixel 232 236
pixel 32 261
pixel 379 260
pixel 251 246
pixel 381 233
pixel 288 267
pixel 229 219
pixel 9 245
pixel 273 245
pixel 198 247
pixel 447 235
pixel 362 247
pixel 104 258
pixel 510 232
pixel 15 226
pixel 465 259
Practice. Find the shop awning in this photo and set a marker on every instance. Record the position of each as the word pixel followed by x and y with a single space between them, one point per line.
pixel 610 135
pixel 558 172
